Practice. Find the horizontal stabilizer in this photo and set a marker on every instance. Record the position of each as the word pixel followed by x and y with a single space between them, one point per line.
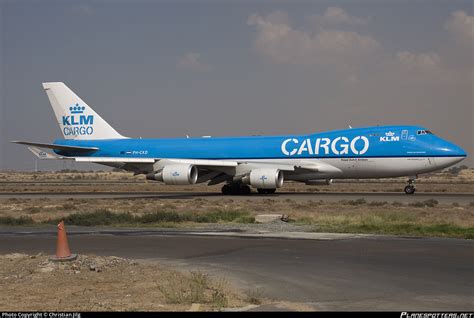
pixel 40 154
pixel 58 147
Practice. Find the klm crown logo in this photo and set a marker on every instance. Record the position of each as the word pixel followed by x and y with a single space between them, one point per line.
pixel 76 109
pixel 77 123
pixel 389 137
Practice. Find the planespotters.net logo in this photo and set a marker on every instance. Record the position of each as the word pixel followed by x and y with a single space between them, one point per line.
pixel 76 123
pixel 436 315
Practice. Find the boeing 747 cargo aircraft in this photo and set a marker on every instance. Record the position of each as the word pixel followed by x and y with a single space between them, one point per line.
pixel 260 162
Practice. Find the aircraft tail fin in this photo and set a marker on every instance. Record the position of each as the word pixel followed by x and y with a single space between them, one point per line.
pixel 76 119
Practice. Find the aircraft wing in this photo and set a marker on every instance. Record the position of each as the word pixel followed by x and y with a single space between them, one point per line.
pixel 40 154
pixel 113 160
pixel 34 147
pixel 218 165
pixel 160 162
pixel 214 170
pixel 319 167
pixel 210 168
pixel 303 166
pixel 203 162
pixel 209 164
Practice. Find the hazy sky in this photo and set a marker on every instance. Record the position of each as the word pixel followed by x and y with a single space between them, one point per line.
pixel 161 69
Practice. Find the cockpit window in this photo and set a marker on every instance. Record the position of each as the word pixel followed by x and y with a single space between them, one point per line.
pixel 424 132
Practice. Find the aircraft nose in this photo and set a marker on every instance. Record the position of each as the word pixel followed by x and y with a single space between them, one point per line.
pixel 447 153
pixel 450 154
pixel 456 151
pixel 448 149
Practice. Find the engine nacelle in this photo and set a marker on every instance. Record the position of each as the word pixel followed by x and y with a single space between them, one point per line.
pixel 176 175
pixel 264 178
pixel 319 182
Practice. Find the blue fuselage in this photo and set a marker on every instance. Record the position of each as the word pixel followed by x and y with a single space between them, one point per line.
pixel 371 142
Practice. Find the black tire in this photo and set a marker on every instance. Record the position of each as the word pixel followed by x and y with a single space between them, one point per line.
pixel 244 190
pixel 235 189
pixel 226 190
pixel 409 189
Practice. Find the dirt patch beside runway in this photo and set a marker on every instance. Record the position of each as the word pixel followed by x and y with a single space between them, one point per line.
pixel 99 283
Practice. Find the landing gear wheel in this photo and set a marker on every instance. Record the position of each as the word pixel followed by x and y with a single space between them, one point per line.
pixel 235 189
pixel 244 190
pixel 410 189
pixel 226 190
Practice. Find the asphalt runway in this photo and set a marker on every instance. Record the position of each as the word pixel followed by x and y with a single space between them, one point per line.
pixel 342 273
pixel 462 198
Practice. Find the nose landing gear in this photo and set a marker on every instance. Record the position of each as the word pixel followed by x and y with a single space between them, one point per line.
pixel 410 188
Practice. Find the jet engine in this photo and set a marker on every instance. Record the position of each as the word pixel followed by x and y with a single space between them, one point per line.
pixel 264 178
pixel 175 174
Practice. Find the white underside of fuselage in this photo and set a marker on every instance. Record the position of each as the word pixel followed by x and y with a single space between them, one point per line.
pixel 360 168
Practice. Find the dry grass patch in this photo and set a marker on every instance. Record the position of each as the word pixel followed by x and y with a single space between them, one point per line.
pixel 197 288
pixel 96 283
pixel 404 222
pixel 356 215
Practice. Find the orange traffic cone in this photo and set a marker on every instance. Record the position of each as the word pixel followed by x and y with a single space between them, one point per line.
pixel 62 247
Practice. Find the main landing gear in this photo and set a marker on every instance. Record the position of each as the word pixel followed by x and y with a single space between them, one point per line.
pixel 410 188
pixel 242 189
pixel 236 189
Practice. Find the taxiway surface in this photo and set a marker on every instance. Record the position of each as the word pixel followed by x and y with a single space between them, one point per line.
pixel 463 198
pixel 338 272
